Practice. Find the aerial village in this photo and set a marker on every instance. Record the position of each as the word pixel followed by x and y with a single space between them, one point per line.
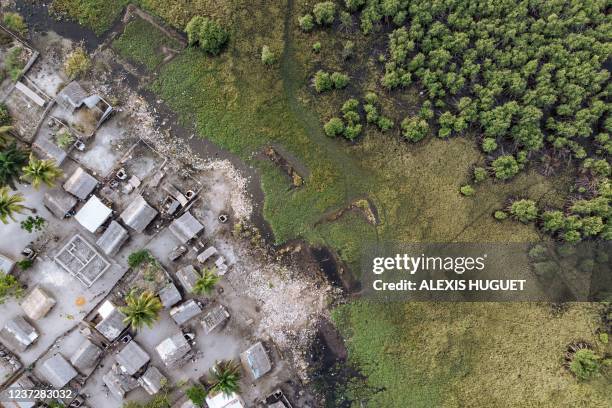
pixel 141 279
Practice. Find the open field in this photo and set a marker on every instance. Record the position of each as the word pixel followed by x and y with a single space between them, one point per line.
pixel 415 354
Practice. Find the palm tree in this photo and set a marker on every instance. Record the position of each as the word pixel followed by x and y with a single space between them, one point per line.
pixel 141 309
pixel 225 377
pixel 39 171
pixel 10 205
pixel 12 159
pixel 206 283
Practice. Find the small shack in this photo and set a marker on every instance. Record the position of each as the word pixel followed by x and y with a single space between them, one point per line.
pixel 186 227
pixel 18 334
pixel 138 214
pixel 37 303
pixel 71 96
pixel 93 214
pixel 80 184
pixel 86 356
pixel 59 202
pixel 173 350
pixel 118 382
pixel 57 371
pixel 152 380
pixel 255 359
pixel 186 311
pixel 215 318
pixel 112 239
pixel 112 323
pixel 169 295
pixel 188 276
pixel 132 358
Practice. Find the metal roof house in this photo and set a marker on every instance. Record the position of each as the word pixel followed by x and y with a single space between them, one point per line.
pixel 215 318
pixel 93 214
pixel 138 214
pixel 57 371
pixel 173 349
pixel 18 334
pixel 186 227
pixel 221 400
pixel 37 303
pixel 112 324
pixel 80 184
pixel 256 360
pixel 186 311
pixel 71 96
pixel 112 239
pixel 132 358
pixel 188 276
pixel 59 202
pixel 207 253
pixel 169 295
pixel 152 380
pixel 118 382
pixel 86 356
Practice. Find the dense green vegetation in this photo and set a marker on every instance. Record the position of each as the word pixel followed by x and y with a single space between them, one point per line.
pixel 143 43
pixel 98 15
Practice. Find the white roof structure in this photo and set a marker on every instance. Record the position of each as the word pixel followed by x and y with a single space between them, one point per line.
pixel 138 214
pixel 57 371
pixel 86 356
pixel 221 400
pixel 132 358
pixel 93 214
pixel 6 264
pixel 173 349
pixel 37 303
pixel 112 324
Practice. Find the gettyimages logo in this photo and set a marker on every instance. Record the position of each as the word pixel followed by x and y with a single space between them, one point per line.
pixel 413 264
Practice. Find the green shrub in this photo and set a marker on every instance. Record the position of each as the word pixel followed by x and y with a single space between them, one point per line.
pixel 306 22
pixel 384 123
pixel 322 81
pixel 372 115
pixel 505 167
pixel 77 63
pixel 324 12
pixel 352 117
pixel 603 337
pixel 208 33
pixel 480 174
pixel 371 98
pixel 585 364
pixel 524 210
pixel 340 80
pixel 414 128
pixel 354 5
pixel 572 236
pixel 552 221
pixel 348 49
pixel 14 62
pixel 350 105
pixel 197 394
pixel 316 47
pixel 351 132
pixel 64 139
pixel 139 257
pixel 267 56
pixel 489 145
pixel 15 22
pixel 500 215
pixel 5 116
pixel 467 190
pixel 592 226
pixel 334 127
pixel 9 287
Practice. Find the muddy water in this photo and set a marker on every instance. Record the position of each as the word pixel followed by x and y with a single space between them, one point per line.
pixel 38 19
